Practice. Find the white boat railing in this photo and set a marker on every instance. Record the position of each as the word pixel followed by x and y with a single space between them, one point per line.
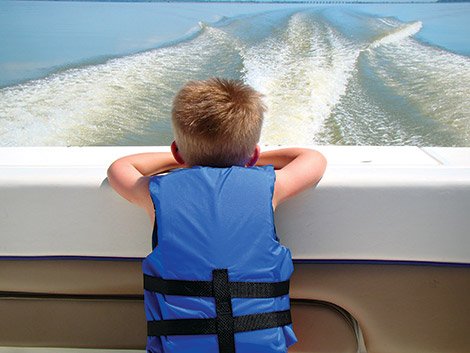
pixel 373 204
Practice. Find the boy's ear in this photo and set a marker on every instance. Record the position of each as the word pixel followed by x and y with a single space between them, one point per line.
pixel 254 157
pixel 176 153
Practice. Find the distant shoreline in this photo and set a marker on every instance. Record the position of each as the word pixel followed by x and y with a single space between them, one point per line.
pixel 316 2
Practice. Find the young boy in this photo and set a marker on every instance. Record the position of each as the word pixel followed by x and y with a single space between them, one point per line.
pixel 218 279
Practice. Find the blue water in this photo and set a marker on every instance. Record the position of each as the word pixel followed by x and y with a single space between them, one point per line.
pixel 41 37
pixel 101 73
pixel 444 25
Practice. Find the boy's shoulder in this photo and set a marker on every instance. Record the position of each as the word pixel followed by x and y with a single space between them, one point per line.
pixel 194 170
pixel 203 174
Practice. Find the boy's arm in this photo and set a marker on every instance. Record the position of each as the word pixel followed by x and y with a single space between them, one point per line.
pixel 130 175
pixel 297 169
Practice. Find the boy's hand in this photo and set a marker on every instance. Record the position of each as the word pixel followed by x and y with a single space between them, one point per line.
pixel 129 176
pixel 297 169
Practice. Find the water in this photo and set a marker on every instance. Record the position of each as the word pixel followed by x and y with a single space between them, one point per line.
pixel 90 73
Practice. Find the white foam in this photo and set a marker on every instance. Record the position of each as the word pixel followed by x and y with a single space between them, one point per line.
pixel 398 34
pixel 102 103
pixel 302 73
pixel 65 108
pixel 434 81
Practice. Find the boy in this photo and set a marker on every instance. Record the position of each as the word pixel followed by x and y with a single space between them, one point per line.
pixel 218 279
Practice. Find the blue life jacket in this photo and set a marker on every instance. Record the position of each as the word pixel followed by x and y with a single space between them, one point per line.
pixel 218 280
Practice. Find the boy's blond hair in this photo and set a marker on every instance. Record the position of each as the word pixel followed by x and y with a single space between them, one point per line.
pixel 217 122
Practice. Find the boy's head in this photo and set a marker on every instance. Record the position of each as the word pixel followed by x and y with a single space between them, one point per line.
pixel 217 122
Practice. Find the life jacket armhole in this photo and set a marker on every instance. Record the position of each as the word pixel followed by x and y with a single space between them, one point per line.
pixel 155 223
pixel 155 232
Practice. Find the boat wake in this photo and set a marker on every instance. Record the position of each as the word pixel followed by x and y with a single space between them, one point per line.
pixel 398 34
pixel 324 80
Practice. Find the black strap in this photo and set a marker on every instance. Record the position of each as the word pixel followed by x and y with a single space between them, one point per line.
pixel 261 321
pixel 205 289
pixel 223 309
pixel 243 323
pixel 178 287
pixel 225 325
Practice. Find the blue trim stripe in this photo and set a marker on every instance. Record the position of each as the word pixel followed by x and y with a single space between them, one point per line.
pixel 381 262
pixel 70 257
pixel 296 261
